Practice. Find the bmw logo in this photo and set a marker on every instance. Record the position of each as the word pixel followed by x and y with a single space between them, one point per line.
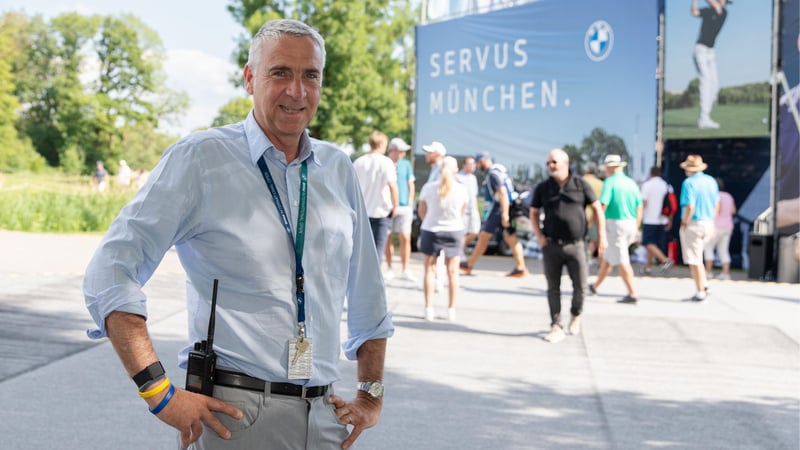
pixel 599 40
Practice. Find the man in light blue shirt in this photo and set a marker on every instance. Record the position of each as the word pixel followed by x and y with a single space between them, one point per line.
pixel 210 196
pixel 699 204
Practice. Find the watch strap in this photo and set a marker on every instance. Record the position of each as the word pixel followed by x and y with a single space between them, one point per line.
pixel 366 386
pixel 148 374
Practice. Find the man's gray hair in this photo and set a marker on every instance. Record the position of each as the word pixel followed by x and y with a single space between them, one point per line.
pixel 274 29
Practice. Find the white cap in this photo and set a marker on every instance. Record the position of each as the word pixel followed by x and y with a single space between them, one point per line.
pixel 398 144
pixel 435 147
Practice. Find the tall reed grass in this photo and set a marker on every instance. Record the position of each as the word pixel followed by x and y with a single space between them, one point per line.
pixel 57 203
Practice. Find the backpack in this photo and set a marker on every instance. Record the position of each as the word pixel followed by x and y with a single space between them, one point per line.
pixel 669 206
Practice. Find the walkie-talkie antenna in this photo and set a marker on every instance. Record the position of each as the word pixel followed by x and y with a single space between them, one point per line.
pixel 212 315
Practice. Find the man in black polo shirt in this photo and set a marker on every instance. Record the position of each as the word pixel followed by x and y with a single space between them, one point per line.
pixel 563 198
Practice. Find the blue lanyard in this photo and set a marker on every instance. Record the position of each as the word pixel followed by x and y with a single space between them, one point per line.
pixel 301 231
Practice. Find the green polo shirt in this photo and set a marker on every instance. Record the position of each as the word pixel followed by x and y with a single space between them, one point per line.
pixel 621 197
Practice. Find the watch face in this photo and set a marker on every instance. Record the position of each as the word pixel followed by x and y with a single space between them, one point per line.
pixel 375 390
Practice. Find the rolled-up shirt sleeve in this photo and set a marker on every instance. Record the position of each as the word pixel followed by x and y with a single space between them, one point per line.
pixel 368 316
pixel 137 240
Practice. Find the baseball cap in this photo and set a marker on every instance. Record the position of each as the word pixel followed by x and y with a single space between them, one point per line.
pixel 435 147
pixel 481 156
pixel 398 144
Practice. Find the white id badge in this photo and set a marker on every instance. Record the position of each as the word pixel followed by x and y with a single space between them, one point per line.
pixel 300 358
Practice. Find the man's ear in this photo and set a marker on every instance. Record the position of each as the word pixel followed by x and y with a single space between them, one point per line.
pixel 248 79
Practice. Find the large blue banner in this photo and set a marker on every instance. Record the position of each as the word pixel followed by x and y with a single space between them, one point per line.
pixel 521 81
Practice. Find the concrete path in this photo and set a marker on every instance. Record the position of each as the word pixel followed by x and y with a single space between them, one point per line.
pixel 665 374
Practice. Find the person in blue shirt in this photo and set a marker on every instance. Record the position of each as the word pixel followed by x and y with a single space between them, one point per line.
pixel 403 218
pixel 99 177
pixel 699 205
pixel 278 218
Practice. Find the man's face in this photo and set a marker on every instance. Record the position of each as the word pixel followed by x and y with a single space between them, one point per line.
pixel 395 154
pixel 469 165
pixel 431 158
pixel 557 165
pixel 286 86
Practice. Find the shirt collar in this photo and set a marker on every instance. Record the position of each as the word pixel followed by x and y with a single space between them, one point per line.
pixel 259 145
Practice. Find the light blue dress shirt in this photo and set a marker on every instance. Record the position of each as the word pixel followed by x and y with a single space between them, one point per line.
pixel 208 198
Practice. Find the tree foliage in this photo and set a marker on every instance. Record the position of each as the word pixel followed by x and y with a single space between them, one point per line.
pixel 745 93
pixel 234 111
pixel 595 147
pixel 85 83
pixel 369 66
pixel 16 152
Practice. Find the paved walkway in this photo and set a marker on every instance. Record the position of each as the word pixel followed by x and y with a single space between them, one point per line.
pixel 665 374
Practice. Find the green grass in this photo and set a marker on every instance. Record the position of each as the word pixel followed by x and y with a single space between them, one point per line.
pixel 57 203
pixel 739 120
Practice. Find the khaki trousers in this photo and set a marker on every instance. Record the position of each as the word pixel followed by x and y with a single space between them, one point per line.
pixel 275 422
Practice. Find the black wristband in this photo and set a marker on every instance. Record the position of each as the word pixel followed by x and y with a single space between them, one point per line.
pixel 148 374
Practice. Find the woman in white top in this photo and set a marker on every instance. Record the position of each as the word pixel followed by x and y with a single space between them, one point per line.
pixel 441 207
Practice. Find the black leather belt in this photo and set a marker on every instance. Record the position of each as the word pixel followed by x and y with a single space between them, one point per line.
pixel 242 381
pixel 562 241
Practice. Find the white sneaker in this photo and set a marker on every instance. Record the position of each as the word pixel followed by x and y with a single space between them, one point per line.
pixel 707 124
pixel 723 276
pixel 451 314
pixel 407 276
pixel 388 275
pixel 575 325
pixel 555 335
pixel 429 315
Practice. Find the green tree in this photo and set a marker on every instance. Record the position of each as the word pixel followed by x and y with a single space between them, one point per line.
pixel 234 111
pixel 369 62
pixel 121 58
pixel 16 152
pixel 143 146
pixel 595 147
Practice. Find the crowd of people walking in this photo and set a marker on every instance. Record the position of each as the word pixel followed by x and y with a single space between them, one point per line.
pixel 581 216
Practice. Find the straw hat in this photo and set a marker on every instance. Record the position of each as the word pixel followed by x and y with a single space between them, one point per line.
pixel 694 163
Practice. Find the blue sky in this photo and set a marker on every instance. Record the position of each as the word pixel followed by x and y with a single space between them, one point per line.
pixel 198 36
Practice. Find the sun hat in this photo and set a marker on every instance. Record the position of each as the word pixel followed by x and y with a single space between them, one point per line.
pixel 614 160
pixel 694 163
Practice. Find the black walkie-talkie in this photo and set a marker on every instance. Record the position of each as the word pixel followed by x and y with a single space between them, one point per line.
pixel 203 360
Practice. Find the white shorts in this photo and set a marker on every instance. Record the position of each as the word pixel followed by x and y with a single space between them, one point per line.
pixel 694 238
pixel 401 222
pixel 621 234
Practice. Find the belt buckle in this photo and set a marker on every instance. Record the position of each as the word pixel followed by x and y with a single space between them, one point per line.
pixel 303 392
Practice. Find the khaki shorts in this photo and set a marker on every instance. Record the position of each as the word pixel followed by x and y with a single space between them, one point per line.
pixel 621 234
pixel 694 238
